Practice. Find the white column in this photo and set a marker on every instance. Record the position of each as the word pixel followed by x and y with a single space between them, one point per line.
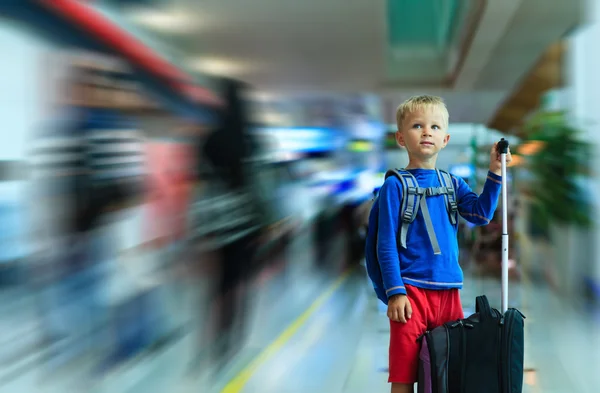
pixel 583 81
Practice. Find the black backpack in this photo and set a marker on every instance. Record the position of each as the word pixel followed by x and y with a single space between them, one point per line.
pixel 481 353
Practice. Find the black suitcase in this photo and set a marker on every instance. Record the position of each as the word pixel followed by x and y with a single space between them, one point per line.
pixel 481 353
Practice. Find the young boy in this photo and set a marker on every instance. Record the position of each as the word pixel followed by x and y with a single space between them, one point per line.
pixel 422 287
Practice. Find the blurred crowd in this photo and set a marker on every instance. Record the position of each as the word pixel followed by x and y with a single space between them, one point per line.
pixel 129 221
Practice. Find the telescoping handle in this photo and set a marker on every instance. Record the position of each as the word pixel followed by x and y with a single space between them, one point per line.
pixel 503 150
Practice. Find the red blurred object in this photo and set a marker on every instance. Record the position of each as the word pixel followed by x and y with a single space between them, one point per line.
pixel 93 22
pixel 171 168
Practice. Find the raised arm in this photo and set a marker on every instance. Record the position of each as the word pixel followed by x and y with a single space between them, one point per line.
pixel 478 209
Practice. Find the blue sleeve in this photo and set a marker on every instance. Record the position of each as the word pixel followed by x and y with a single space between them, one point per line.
pixel 387 248
pixel 478 210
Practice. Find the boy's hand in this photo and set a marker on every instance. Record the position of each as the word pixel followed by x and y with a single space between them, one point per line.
pixel 495 162
pixel 399 308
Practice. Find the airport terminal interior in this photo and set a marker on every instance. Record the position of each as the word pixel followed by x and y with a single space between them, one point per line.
pixel 185 186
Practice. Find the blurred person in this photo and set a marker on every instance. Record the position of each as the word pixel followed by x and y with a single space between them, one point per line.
pixel 117 162
pixel 69 282
pixel 88 165
pixel 170 182
pixel 421 285
pixel 488 243
pixel 233 215
pixel 488 246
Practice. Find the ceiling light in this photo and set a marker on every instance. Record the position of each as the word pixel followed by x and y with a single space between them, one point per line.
pixel 168 21
pixel 261 96
pixel 217 66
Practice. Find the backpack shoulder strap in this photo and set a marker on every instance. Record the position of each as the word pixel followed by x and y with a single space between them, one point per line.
pixel 411 197
pixel 450 195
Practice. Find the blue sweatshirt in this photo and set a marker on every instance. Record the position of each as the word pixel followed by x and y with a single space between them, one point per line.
pixel 417 265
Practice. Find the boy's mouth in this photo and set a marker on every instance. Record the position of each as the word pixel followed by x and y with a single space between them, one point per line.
pixel 427 143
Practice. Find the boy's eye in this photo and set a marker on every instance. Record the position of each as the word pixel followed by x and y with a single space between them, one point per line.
pixel 433 127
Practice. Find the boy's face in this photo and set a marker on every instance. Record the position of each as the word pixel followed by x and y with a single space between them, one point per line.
pixel 424 133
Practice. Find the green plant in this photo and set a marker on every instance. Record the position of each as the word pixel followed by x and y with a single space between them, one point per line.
pixel 559 168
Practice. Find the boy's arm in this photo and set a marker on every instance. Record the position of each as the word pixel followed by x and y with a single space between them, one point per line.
pixel 390 197
pixel 478 210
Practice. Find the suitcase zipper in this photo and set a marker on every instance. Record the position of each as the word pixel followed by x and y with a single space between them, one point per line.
pixel 462 324
pixel 432 360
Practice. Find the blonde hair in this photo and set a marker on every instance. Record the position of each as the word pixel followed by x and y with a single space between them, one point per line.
pixel 416 103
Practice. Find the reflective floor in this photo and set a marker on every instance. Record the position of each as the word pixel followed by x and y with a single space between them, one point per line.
pixel 308 332
pixel 343 347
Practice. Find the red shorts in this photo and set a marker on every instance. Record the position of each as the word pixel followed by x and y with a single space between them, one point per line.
pixel 430 308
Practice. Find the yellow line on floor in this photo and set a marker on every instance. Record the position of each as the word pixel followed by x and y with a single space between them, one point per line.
pixel 237 383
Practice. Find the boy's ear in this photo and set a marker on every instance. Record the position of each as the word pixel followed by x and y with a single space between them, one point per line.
pixel 446 140
pixel 400 139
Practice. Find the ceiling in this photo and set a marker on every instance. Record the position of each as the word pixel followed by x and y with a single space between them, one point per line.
pixel 472 52
pixel 545 75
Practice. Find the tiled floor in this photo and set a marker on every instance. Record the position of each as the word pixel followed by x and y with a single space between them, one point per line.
pixel 340 347
pixel 343 348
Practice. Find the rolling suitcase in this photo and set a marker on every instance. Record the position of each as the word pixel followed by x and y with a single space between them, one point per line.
pixel 481 353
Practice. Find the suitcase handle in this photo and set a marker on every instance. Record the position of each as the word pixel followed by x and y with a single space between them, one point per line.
pixel 502 146
pixel 503 150
pixel 482 306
